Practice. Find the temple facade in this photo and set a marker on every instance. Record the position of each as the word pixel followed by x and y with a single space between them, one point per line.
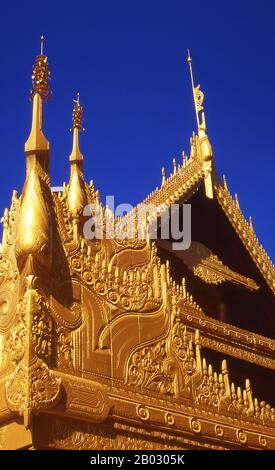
pixel 123 342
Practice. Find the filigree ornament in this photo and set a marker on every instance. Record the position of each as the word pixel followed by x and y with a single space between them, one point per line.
pixel 32 388
pixel 213 271
pixel 3 432
pixel 143 412
pixel 41 77
pixel 162 366
pixel 42 328
pixel 15 339
pixel 150 368
pixel 195 425
pixel 64 348
pixel 8 271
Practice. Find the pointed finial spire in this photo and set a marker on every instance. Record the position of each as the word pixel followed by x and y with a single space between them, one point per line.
pixel 77 114
pixel 76 193
pixel 197 95
pixel 206 153
pixel 77 127
pixel 163 179
pixel 42 45
pixel 41 74
pixel 40 91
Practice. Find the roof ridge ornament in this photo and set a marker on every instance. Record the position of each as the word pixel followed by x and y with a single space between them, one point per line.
pixel 206 153
pixel 198 96
pixel 77 127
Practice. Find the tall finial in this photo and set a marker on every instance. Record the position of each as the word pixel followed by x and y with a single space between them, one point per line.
pixel 206 153
pixel 198 96
pixel 40 91
pixel 42 39
pixel 77 114
pixel 41 74
pixel 77 127
pixel 76 192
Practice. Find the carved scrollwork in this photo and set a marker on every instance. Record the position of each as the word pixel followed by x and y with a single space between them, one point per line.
pixel 163 365
pixel 42 328
pixel 150 368
pixel 169 418
pixel 143 412
pixel 32 388
pixel 64 348
pixel 195 425
pixel 219 430
pixel 14 339
pixel 8 271
pixel 241 436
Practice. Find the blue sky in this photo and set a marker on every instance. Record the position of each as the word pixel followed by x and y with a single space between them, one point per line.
pixel 128 61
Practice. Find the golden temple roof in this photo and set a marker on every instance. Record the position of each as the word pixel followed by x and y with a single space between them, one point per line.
pixel 106 342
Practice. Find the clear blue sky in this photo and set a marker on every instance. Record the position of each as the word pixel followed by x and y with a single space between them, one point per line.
pixel 128 61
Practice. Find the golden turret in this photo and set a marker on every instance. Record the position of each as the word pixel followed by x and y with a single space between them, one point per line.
pixel 76 193
pixel 34 227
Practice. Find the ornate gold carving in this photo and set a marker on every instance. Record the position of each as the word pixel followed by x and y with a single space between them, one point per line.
pixel 195 425
pixel 241 436
pixel 212 389
pixel 70 435
pixel 31 389
pixel 207 266
pixel 42 329
pixel 109 311
pixel 77 114
pixel 213 271
pixel 143 412
pixel 64 348
pixel 169 419
pixel 165 366
pixel 219 430
pixel 150 368
pixel 191 375
pixel 14 340
pixel 3 431
pixel 246 233
pixel 263 440
pixel 31 386
pixel 41 77
pixel 86 398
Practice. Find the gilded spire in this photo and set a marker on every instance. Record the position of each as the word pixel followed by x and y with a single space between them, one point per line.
pixel 40 91
pixel 198 97
pixel 76 192
pixel 206 152
pixel 76 155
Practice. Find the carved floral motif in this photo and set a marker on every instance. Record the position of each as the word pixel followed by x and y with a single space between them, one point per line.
pixel 32 388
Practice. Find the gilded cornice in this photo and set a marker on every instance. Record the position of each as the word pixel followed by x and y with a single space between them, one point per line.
pixel 246 232
pixel 231 340
pixel 185 180
pixel 182 182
